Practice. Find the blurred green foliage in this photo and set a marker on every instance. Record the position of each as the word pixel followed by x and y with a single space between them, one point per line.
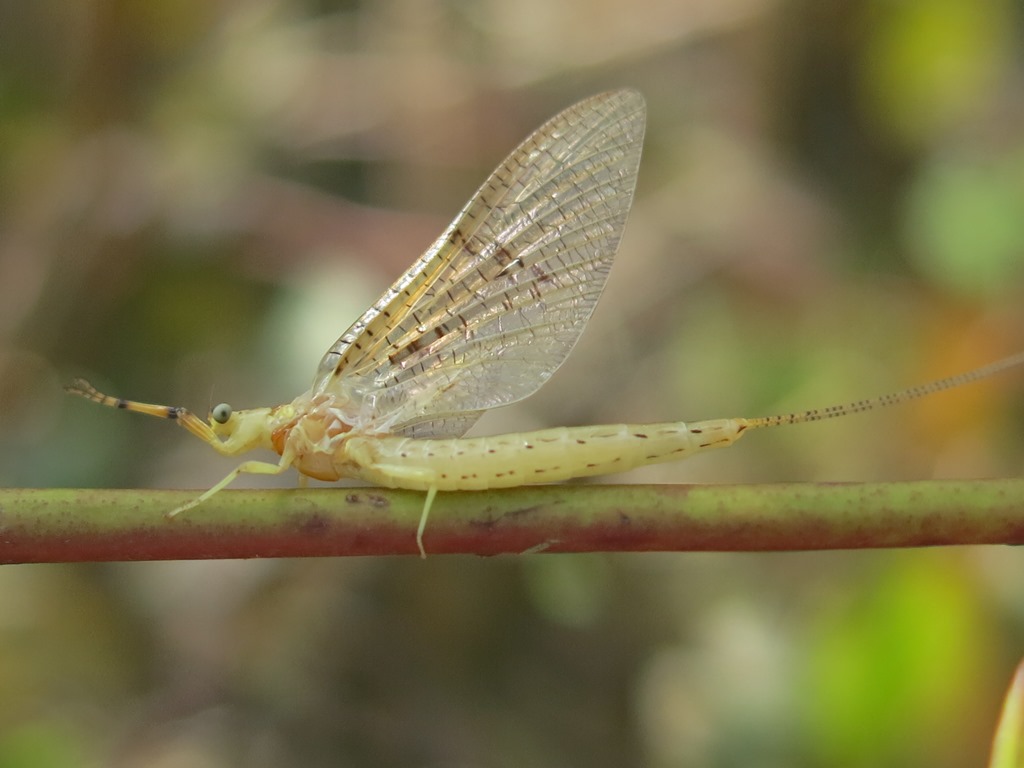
pixel 1006 745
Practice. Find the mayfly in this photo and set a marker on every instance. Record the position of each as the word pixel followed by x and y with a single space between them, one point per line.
pixel 481 320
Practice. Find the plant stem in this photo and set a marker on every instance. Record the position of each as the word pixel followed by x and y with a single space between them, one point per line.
pixel 62 525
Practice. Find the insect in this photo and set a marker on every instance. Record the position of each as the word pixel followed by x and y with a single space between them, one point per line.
pixel 481 320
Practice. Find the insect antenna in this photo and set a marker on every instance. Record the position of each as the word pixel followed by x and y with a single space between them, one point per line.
pixel 893 398
pixel 83 388
pixel 183 416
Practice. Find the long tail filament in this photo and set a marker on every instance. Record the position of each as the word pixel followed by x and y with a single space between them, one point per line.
pixel 884 401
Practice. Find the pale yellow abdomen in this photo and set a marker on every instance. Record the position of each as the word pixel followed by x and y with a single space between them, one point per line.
pixel 527 458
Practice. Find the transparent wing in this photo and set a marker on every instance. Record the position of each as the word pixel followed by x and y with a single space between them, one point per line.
pixel 495 305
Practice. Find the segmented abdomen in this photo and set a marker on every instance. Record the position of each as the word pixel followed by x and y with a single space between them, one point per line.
pixel 528 458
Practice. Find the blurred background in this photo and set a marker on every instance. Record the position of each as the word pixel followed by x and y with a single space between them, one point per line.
pixel 197 198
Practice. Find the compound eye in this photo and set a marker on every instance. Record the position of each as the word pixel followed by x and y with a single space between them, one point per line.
pixel 221 413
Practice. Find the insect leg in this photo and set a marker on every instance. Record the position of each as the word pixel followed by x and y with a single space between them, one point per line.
pixel 361 451
pixel 415 478
pixel 247 467
pixel 427 504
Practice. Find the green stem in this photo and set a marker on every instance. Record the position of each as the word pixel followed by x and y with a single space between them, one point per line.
pixel 61 525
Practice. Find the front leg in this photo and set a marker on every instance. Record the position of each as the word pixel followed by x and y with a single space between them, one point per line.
pixel 247 467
